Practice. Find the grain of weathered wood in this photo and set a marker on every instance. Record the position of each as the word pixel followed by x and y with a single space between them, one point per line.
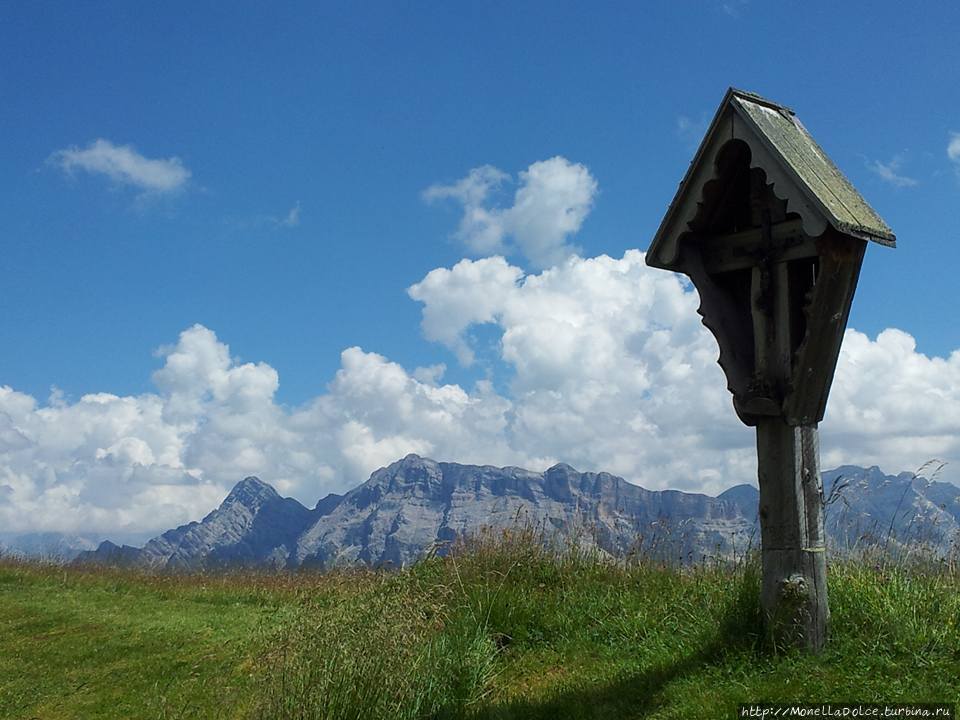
pixel 740 258
pixel 845 208
pixel 826 319
pixel 818 627
pixel 793 591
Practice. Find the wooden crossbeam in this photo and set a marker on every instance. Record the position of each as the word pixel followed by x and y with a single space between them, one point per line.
pixel 744 249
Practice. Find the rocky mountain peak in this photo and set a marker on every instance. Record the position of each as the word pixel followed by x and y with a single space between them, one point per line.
pixel 560 480
pixel 252 493
pixel 744 497
pixel 414 462
pixel 413 470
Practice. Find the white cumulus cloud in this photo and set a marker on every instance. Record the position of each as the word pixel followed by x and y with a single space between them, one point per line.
pixel 114 464
pixel 892 405
pixel 608 357
pixel 611 371
pixel 552 200
pixel 124 165
pixel 605 366
pixel 472 293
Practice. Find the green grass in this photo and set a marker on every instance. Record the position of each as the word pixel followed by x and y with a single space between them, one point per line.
pixel 111 644
pixel 505 629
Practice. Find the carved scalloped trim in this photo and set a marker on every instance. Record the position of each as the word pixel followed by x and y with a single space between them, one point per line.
pixel 783 187
pixel 786 190
pixel 713 312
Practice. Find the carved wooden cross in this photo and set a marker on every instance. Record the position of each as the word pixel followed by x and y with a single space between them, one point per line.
pixel 773 236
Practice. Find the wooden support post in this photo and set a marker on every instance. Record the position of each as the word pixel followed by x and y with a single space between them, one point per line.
pixel 815 549
pixel 793 595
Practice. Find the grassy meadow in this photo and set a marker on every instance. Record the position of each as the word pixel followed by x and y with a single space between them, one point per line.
pixel 504 628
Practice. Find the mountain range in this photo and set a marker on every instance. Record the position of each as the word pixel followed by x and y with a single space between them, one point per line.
pixel 417 505
pixel 46 545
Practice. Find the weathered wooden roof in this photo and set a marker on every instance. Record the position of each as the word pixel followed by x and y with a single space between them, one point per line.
pixel 801 172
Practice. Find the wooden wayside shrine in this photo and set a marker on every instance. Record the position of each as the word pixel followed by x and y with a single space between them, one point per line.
pixel 772 236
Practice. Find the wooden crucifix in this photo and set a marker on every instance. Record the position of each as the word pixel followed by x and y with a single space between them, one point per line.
pixel 772 236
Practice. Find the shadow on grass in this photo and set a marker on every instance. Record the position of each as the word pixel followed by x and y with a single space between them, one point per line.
pixel 642 693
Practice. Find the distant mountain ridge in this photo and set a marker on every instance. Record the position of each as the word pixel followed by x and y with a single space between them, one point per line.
pixel 893 511
pixel 416 504
pixel 47 545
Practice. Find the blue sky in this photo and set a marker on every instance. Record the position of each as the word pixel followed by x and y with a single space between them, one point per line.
pixel 275 194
